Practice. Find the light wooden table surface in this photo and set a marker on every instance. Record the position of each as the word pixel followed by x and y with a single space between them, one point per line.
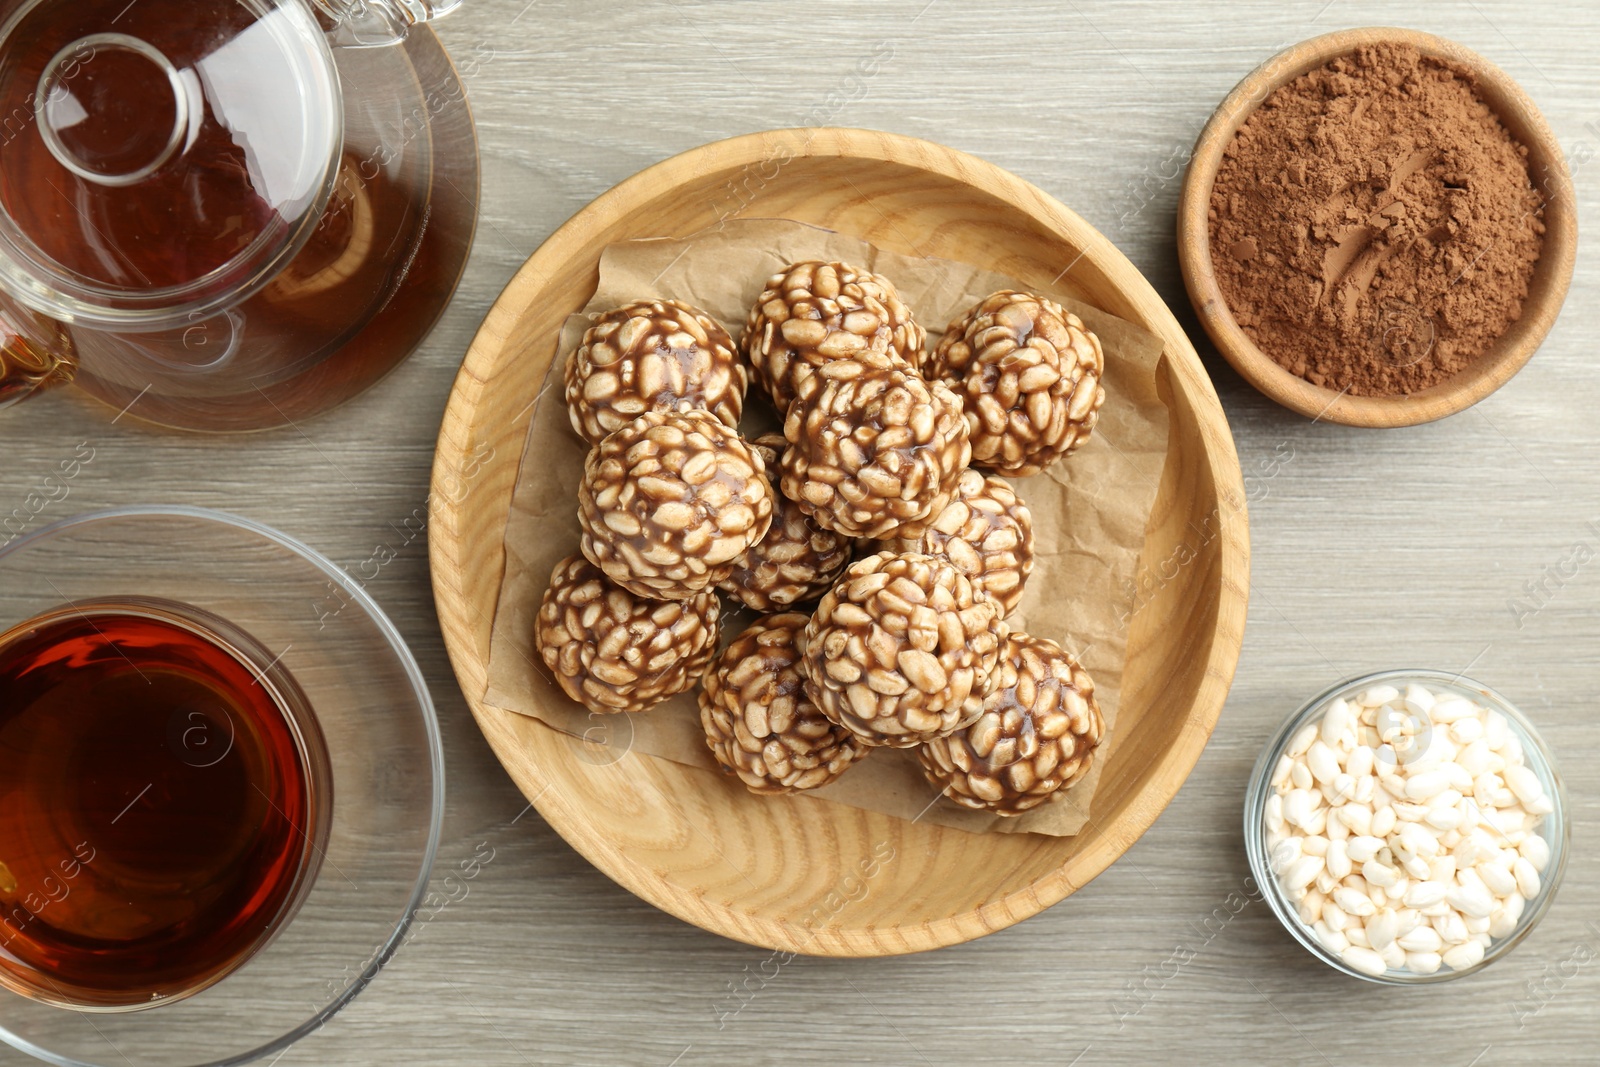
pixel 1371 549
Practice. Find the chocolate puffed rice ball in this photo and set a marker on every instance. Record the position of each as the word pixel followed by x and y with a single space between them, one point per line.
pixel 986 533
pixel 797 561
pixel 670 502
pixel 1036 735
pixel 652 355
pixel 872 451
pixel 811 313
pixel 612 651
pixel 1029 373
pixel 758 720
pixel 901 650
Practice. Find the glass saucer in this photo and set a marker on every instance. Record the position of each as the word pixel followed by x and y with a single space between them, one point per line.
pixel 383 749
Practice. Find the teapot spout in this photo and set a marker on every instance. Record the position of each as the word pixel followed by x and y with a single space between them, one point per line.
pixel 32 360
pixel 378 23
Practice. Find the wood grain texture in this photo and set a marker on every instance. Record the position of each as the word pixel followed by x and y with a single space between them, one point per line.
pixel 1510 353
pixel 1368 551
pixel 657 826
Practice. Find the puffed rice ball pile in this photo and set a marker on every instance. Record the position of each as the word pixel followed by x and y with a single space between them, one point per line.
pixel 907 646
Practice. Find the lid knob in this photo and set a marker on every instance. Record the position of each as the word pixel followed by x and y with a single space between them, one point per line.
pixel 164 159
pixel 112 108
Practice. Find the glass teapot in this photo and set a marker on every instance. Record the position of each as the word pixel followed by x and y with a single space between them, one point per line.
pixel 206 206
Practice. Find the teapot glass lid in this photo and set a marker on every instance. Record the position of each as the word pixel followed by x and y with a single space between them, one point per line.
pixel 159 159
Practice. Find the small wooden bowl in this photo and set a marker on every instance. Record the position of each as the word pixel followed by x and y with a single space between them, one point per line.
pixel 1552 274
pixel 786 872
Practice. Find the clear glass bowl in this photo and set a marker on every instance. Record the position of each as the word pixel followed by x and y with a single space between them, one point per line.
pixel 383 752
pixel 1536 754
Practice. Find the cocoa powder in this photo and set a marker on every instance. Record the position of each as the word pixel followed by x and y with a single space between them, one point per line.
pixel 1373 226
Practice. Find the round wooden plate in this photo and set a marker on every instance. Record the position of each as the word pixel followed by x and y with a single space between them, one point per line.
pixel 800 874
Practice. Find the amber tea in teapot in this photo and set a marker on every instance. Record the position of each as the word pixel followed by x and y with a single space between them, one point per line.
pixel 206 203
